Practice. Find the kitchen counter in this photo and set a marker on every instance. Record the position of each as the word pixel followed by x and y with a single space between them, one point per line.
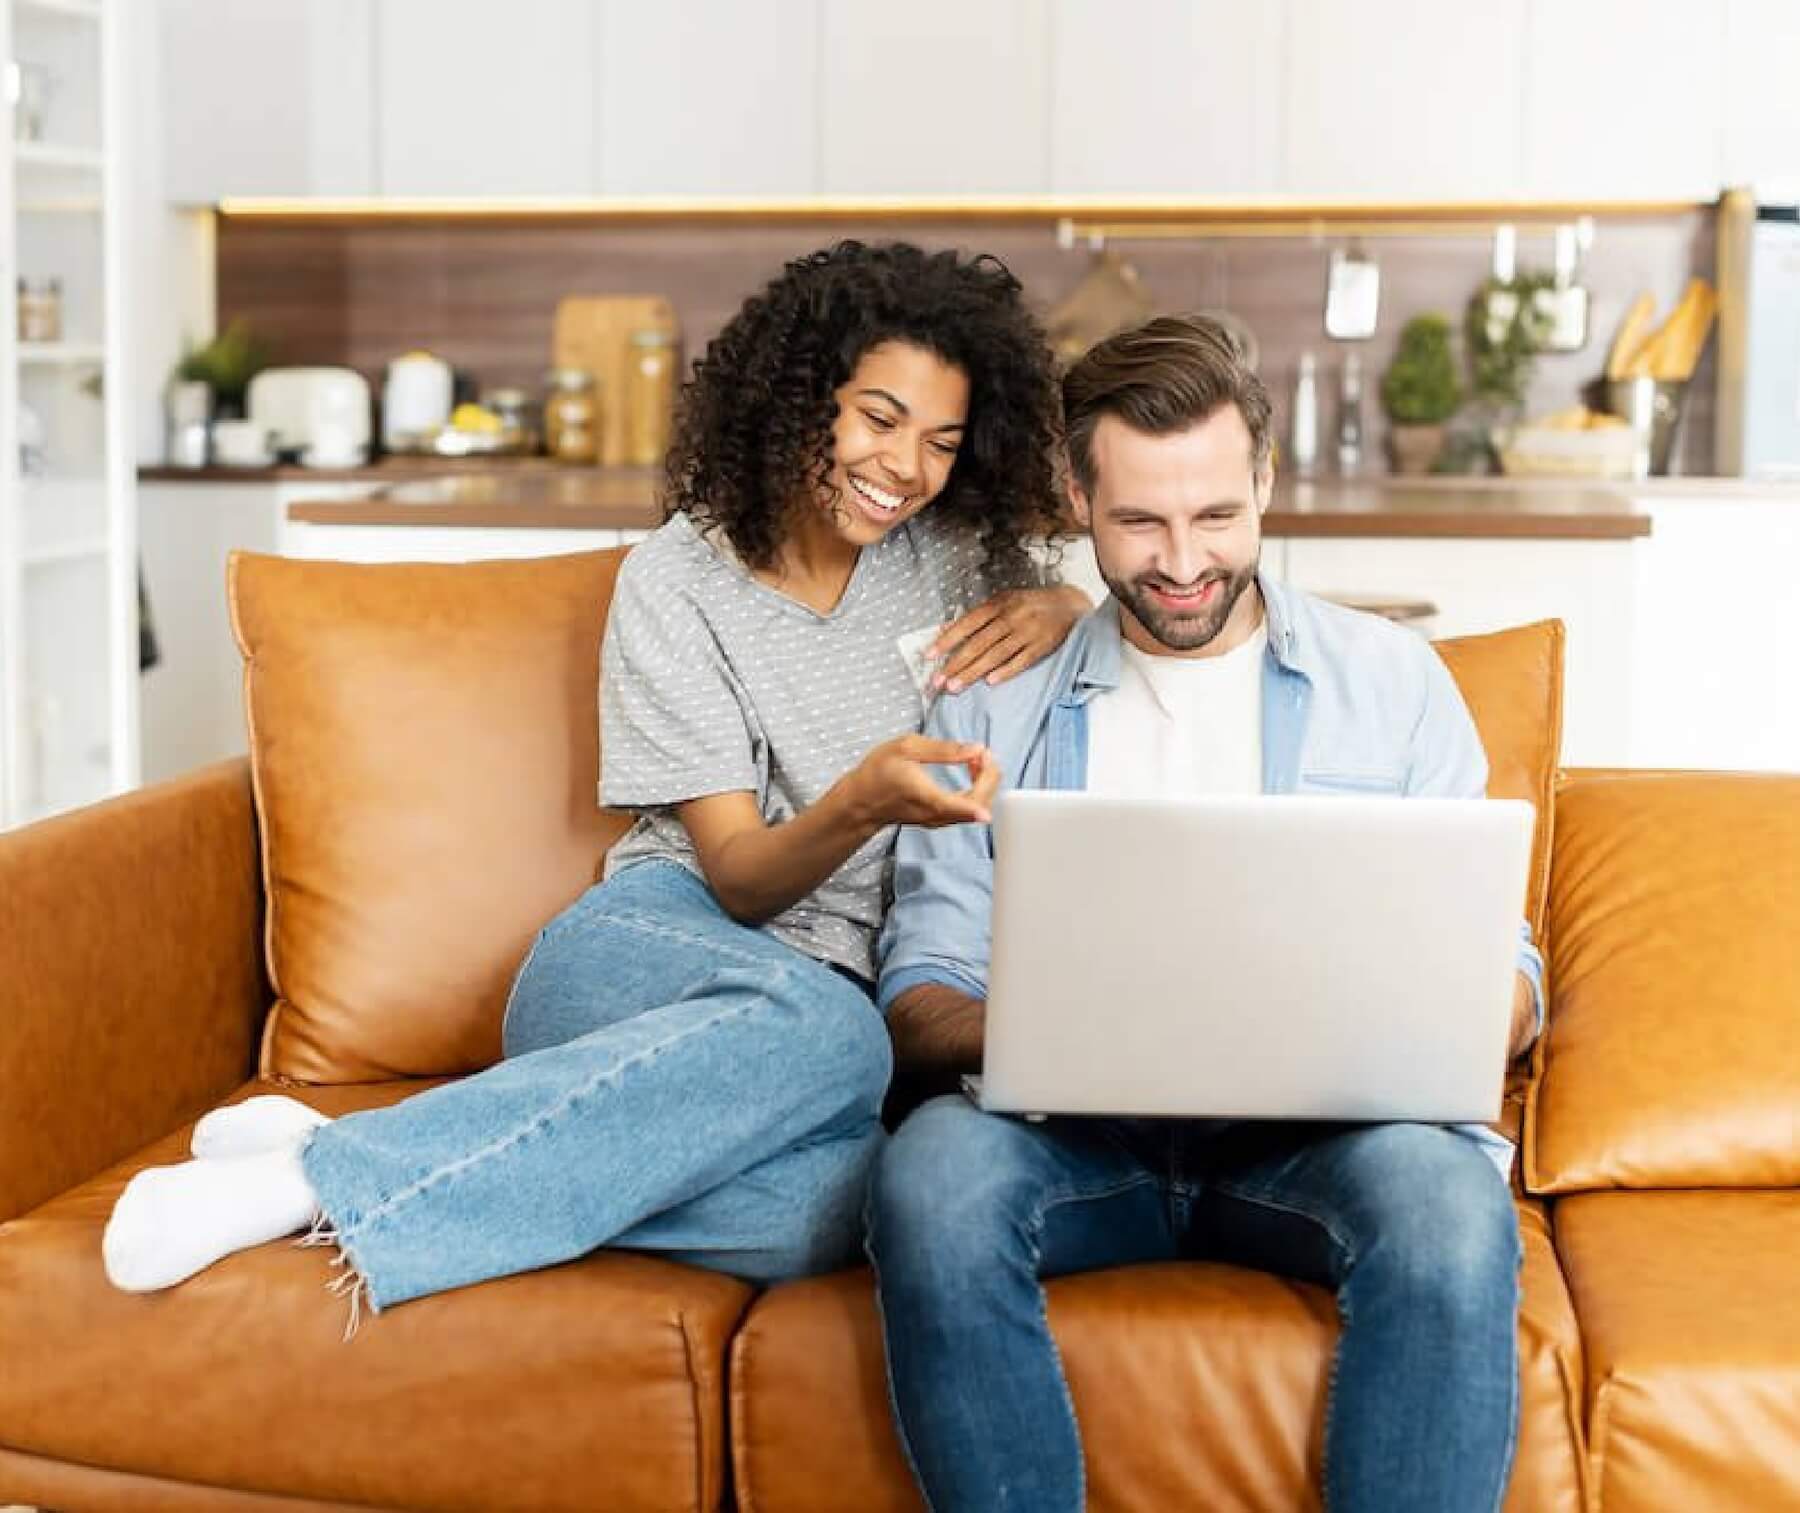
pixel 546 498
pixel 624 500
pixel 391 469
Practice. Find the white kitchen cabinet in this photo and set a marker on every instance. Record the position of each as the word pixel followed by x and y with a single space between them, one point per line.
pixel 475 100
pixel 1164 97
pixel 1393 100
pixel 264 97
pixel 1623 99
pixel 709 97
pixel 318 541
pixel 1715 680
pixel 935 97
pixel 1488 585
pixel 193 699
pixel 1762 104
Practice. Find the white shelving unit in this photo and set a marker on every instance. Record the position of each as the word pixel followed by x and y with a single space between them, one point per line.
pixel 68 516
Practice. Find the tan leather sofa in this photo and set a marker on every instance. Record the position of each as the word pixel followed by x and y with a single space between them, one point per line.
pixel 341 916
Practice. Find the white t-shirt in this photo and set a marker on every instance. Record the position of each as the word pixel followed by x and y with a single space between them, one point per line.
pixel 1180 727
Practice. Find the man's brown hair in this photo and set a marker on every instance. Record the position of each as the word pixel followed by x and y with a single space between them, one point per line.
pixel 1161 377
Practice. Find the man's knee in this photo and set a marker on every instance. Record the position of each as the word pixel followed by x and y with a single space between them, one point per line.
pixel 1441 1219
pixel 949 1186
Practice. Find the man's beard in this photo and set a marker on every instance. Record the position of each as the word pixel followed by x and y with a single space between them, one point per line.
pixel 1172 628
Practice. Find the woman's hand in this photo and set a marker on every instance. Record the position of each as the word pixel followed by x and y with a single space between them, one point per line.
pixel 1014 630
pixel 756 869
pixel 891 785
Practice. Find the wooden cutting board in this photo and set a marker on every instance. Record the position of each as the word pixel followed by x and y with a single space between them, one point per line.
pixel 593 332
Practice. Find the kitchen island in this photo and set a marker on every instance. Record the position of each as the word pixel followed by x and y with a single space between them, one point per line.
pixel 1463 560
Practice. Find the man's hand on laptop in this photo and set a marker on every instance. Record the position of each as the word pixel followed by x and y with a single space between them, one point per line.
pixel 892 786
pixel 1524 1019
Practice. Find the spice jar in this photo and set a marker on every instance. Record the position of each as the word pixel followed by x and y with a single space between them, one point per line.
pixel 518 418
pixel 40 309
pixel 649 397
pixel 572 417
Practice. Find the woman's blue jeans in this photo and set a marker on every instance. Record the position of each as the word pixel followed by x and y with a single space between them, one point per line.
pixel 673 1082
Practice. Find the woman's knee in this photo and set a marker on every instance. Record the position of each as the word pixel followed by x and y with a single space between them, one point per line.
pixel 840 1038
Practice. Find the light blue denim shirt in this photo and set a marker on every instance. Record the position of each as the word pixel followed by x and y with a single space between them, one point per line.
pixel 1351 704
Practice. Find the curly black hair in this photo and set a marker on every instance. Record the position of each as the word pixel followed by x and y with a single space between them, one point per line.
pixel 752 440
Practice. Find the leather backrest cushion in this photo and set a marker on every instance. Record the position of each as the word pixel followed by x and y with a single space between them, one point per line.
pixel 1512 681
pixel 424 742
pixel 1673 1056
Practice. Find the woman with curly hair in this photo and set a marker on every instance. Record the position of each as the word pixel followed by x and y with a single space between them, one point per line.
pixel 694 1064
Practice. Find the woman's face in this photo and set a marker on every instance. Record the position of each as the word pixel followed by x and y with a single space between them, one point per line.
pixel 900 420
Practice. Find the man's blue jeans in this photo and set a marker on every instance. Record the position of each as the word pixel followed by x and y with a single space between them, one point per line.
pixel 673 1082
pixel 1412 1225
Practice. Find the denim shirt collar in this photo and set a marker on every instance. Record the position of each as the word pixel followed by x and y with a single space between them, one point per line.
pixel 1287 686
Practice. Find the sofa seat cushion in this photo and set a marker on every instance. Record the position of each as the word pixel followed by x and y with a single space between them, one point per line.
pixel 1691 1327
pixel 597 1384
pixel 1197 1386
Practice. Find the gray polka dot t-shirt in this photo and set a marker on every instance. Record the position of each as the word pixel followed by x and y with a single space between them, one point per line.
pixel 713 683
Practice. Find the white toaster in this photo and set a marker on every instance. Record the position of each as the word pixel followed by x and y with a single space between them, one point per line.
pixel 321 414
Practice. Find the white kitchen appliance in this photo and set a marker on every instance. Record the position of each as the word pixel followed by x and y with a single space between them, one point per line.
pixel 319 414
pixel 416 401
pixel 1757 422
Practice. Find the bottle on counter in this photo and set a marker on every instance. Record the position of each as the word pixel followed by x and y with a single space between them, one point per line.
pixel 572 417
pixel 1350 415
pixel 1303 419
pixel 649 396
pixel 187 418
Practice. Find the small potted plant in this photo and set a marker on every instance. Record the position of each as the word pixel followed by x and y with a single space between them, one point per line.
pixel 1420 392
pixel 226 365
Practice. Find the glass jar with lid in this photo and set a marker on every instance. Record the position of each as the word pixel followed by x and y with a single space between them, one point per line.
pixel 650 396
pixel 572 416
pixel 40 309
pixel 517 413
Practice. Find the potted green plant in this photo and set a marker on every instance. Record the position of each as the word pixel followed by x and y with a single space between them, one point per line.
pixel 1420 392
pixel 226 364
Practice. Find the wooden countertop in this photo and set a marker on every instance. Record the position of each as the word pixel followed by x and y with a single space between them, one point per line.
pixel 623 499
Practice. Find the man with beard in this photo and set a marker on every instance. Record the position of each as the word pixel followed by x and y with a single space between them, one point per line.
pixel 1199 676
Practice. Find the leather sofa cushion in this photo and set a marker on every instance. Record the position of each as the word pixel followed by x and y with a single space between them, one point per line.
pixel 1674 1048
pixel 424 742
pixel 594 1385
pixel 1197 1386
pixel 1512 681
pixel 1692 1331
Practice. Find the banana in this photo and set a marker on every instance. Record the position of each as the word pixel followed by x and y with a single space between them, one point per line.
pixel 1632 331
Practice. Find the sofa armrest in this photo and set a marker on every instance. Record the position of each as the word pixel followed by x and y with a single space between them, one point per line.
pixel 131 980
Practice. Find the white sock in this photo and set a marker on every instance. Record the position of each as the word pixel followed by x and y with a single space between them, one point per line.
pixel 172 1221
pixel 267 1122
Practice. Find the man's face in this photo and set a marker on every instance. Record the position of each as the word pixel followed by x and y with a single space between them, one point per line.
pixel 1177 529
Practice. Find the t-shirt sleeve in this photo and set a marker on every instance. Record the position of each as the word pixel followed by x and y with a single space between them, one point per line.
pixel 672 724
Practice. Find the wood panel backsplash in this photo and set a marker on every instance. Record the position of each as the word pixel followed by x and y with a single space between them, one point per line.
pixel 483 293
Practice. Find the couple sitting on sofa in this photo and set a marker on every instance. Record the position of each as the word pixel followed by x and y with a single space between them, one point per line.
pixel 695 1053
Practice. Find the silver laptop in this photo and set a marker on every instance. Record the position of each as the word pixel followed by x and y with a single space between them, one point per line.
pixel 1313 958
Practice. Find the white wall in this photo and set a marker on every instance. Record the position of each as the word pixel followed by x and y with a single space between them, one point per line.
pixel 169 270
